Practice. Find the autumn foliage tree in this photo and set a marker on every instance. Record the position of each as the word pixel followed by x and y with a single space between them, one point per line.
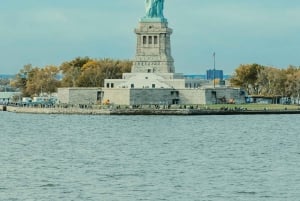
pixel 268 81
pixel 86 72
pixel 94 72
pixel 72 70
pixel 79 72
pixel 246 76
pixel 33 81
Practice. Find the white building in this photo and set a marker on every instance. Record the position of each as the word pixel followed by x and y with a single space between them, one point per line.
pixel 7 97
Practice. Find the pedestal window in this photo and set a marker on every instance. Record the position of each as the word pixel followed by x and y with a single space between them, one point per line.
pixel 150 40
pixel 155 40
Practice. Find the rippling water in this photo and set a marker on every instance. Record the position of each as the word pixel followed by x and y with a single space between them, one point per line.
pixel 205 158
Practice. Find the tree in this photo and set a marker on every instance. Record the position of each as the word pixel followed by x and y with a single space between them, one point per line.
pixel 268 81
pixel 246 76
pixel 80 72
pixel 33 81
pixel 91 75
pixel 297 88
pixel 72 70
pixel 46 80
pixel 21 79
pixel 291 81
pixel 277 79
pixel 4 81
pixel 94 72
pixel 263 82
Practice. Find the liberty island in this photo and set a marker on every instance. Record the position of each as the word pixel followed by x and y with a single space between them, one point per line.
pixel 152 83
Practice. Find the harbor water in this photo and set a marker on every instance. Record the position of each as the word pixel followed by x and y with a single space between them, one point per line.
pixel 126 158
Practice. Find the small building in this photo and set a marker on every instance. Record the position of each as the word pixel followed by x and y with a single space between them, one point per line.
pixel 26 100
pixel 214 74
pixel 7 97
pixel 264 99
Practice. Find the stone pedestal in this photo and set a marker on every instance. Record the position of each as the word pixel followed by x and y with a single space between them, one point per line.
pixel 153 51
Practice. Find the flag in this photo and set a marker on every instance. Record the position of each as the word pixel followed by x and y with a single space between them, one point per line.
pixel 214 54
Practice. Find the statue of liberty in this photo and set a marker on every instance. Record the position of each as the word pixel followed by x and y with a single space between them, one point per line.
pixel 154 9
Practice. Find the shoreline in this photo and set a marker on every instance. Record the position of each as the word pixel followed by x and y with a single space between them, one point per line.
pixel 182 112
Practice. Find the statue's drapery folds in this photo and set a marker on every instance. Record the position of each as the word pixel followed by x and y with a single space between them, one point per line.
pixel 154 9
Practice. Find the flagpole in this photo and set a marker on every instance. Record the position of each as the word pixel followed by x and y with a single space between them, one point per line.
pixel 214 80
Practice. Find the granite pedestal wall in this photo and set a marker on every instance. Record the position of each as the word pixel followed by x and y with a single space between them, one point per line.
pixel 141 96
pixel 119 96
pixel 192 96
pixel 153 52
pixel 153 96
pixel 150 96
pixel 209 96
pixel 79 95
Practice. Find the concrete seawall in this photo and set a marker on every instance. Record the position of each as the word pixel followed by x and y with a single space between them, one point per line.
pixel 34 110
pixel 80 111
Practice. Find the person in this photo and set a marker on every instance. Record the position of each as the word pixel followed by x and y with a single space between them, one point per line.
pixel 154 8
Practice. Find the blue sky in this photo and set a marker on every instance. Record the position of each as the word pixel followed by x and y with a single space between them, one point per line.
pixel 42 32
